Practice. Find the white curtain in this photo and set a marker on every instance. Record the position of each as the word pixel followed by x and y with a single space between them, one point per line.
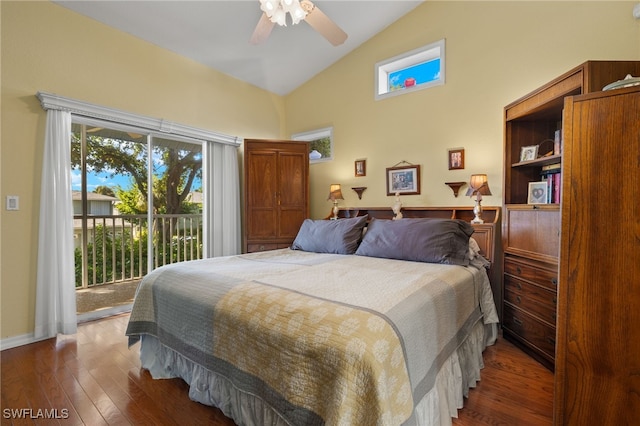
pixel 223 208
pixel 55 287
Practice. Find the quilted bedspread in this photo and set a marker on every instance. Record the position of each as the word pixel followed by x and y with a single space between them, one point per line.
pixel 321 338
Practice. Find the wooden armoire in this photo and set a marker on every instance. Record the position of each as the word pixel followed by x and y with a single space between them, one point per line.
pixel 276 192
pixel 597 371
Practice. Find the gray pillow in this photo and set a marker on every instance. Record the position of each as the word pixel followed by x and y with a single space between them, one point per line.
pixel 340 236
pixel 421 240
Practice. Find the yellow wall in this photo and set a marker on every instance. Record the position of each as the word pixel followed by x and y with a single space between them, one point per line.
pixel 48 48
pixel 496 52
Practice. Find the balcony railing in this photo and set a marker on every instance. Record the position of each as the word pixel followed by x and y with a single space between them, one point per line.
pixel 115 247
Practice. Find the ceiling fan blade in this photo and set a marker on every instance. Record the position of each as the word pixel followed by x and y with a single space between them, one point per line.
pixel 322 24
pixel 262 31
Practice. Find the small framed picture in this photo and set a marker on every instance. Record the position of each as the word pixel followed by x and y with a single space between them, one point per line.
pixel 404 180
pixel 528 153
pixel 538 193
pixel 456 159
pixel 361 168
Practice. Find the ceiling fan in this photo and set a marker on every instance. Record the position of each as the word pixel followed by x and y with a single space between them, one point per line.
pixel 275 12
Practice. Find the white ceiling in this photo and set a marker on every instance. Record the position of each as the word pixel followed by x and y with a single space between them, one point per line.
pixel 216 33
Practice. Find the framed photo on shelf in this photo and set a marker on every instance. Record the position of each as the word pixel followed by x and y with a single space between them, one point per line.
pixel 361 168
pixel 456 159
pixel 528 153
pixel 404 180
pixel 538 193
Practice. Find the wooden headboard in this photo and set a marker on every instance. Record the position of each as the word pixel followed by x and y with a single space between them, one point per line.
pixel 487 234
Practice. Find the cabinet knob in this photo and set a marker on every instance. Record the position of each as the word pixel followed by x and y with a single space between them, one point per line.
pixel 554 281
pixel 519 286
pixel 517 321
pixel 518 270
pixel 519 300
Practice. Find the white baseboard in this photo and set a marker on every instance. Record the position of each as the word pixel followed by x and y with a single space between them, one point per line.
pixel 25 339
pixel 15 341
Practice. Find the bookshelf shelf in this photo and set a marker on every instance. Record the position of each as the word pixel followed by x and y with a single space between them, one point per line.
pixel 542 161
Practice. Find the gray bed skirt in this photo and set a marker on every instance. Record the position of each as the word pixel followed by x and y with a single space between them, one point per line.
pixel 458 374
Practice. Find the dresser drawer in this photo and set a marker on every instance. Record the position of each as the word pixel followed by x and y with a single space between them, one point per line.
pixel 534 299
pixel 536 334
pixel 544 277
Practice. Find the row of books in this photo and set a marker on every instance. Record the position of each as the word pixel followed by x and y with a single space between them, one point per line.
pixel 551 174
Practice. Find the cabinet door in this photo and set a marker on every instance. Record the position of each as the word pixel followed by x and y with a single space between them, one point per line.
pixel 292 192
pixel 533 231
pixel 598 353
pixel 262 188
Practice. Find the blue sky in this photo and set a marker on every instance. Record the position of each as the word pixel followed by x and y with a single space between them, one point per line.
pixel 104 179
pixel 422 73
pixel 94 180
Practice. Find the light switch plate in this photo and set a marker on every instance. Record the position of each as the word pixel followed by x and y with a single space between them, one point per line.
pixel 13 202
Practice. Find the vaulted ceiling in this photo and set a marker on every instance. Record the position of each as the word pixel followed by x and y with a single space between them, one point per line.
pixel 216 33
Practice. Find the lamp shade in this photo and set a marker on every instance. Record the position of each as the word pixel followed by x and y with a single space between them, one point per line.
pixel 478 185
pixel 335 192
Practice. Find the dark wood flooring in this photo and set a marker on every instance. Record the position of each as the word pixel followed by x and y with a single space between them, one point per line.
pixel 93 378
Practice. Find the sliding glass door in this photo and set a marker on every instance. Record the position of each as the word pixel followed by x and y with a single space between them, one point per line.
pixel 138 204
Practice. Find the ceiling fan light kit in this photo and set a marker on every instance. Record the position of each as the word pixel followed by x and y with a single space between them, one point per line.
pixel 275 12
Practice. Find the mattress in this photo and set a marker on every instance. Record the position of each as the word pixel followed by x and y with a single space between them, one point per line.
pixel 292 337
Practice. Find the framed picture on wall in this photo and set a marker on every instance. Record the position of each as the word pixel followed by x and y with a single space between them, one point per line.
pixel 404 180
pixel 538 193
pixel 456 159
pixel 360 168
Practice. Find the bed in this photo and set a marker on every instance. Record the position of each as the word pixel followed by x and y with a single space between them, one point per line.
pixel 361 321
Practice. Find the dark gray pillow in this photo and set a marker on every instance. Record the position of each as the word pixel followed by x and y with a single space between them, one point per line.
pixel 421 240
pixel 340 236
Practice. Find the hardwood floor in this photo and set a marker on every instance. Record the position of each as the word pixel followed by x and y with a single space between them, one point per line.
pixel 93 378
pixel 514 390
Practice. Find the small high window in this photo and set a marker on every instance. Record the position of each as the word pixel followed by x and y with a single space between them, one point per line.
pixel 320 146
pixel 411 71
